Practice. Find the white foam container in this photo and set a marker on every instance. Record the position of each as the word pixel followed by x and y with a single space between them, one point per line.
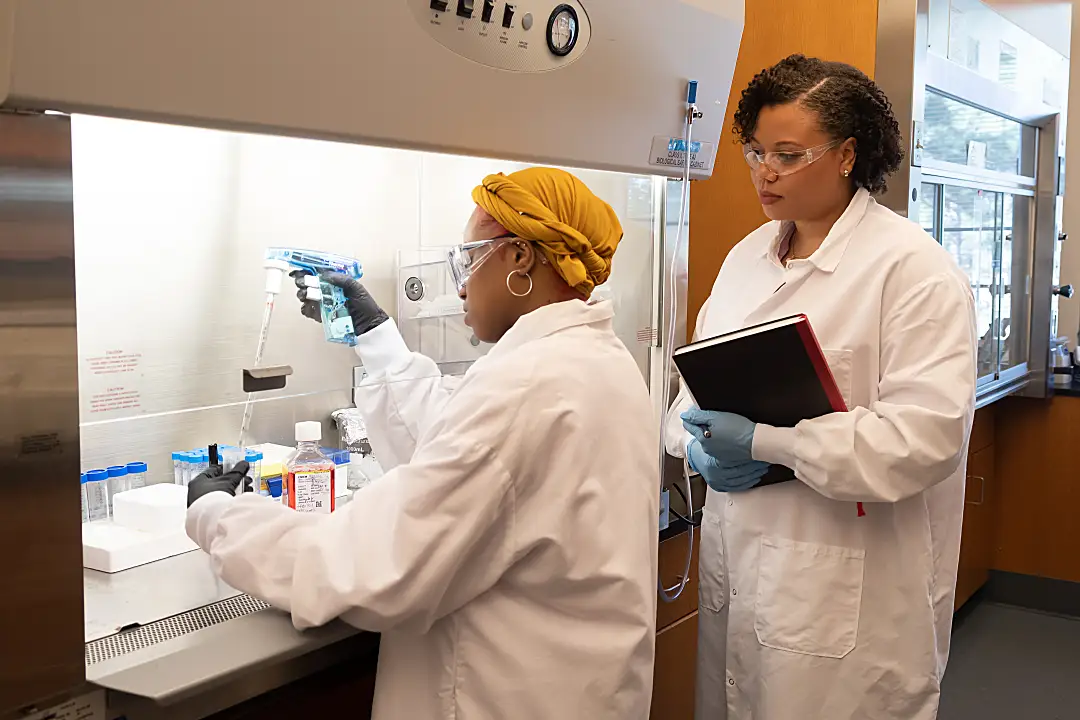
pixel 110 548
pixel 151 508
pixel 147 526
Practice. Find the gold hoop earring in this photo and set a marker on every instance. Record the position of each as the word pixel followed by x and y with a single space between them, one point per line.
pixel 511 290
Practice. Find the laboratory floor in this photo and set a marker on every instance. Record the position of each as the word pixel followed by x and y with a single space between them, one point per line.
pixel 1009 663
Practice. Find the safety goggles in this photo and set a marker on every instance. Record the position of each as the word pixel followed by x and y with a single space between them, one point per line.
pixel 786 162
pixel 464 259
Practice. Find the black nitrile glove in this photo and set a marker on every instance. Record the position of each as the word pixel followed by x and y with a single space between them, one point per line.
pixel 214 480
pixel 364 311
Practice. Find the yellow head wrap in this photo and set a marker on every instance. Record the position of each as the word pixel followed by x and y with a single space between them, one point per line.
pixel 575 230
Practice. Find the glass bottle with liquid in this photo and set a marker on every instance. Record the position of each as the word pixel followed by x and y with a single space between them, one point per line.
pixel 309 474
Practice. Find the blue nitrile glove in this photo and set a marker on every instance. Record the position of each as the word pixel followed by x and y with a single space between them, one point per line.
pixel 722 475
pixel 725 436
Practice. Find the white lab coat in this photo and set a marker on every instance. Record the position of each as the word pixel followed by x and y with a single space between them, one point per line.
pixel 510 559
pixel 809 611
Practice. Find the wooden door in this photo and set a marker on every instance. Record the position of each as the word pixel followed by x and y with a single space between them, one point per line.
pixel 672 564
pixel 977 541
pixel 673 678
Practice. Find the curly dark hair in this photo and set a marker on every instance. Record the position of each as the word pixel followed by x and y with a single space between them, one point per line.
pixel 848 105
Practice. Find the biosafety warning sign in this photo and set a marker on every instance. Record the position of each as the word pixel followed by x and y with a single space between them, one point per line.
pixel 671 152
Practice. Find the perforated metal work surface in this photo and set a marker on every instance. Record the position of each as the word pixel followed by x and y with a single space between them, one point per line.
pixel 171 628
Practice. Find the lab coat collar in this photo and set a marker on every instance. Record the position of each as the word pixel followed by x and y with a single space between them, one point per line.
pixel 827 257
pixel 551 319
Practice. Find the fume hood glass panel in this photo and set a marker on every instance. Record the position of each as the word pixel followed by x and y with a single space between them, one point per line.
pixel 971 232
pixel 957 133
pixel 1014 334
pixel 989 235
pixel 171 228
pixel 928 208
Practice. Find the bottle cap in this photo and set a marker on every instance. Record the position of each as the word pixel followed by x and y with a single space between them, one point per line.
pixel 253 456
pixel 178 456
pixel 117 470
pixel 308 431
pixel 136 467
pixel 96 475
pixel 82 478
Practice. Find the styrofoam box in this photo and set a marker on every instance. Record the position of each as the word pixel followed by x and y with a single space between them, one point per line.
pixel 110 548
pixel 147 526
pixel 152 509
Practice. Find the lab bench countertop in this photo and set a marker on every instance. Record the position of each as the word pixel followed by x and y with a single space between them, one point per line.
pixel 170 634
pixel 1073 389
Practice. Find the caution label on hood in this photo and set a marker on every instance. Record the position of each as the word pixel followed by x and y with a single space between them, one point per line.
pixel 671 152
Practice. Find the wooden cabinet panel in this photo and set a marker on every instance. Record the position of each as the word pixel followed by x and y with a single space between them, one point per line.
pixel 982 430
pixel 977 541
pixel 672 563
pixel 673 679
pixel 1039 503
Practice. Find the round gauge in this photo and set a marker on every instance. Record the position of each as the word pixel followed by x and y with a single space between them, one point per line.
pixel 414 288
pixel 562 30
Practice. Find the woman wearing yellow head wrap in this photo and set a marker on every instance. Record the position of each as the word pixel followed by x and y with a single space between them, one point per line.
pixel 508 556
pixel 537 237
pixel 575 230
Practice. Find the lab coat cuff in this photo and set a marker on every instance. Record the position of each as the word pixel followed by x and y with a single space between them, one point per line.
pixel 382 349
pixel 203 517
pixel 774 445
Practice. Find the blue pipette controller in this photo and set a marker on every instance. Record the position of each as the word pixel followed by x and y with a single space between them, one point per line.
pixel 336 321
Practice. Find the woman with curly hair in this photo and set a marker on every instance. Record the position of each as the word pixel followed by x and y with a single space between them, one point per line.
pixel 831 596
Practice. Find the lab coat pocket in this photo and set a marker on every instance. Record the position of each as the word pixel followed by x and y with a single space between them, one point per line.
pixel 712 572
pixel 840 362
pixel 808 597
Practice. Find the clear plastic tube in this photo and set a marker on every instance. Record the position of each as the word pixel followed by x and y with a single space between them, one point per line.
pixel 97 495
pixel 670 594
pixel 82 494
pixel 118 483
pixel 260 348
pixel 178 468
pixel 254 460
pixel 136 474
pixel 192 461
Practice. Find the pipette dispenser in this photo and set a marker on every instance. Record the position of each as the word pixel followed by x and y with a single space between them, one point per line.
pixel 336 321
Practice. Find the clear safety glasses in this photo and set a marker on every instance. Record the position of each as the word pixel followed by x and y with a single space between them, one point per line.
pixel 464 259
pixel 786 162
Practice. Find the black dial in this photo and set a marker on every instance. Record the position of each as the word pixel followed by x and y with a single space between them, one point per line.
pixel 562 30
pixel 489 8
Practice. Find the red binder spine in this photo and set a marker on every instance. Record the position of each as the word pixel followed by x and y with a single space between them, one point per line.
pixel 821 366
